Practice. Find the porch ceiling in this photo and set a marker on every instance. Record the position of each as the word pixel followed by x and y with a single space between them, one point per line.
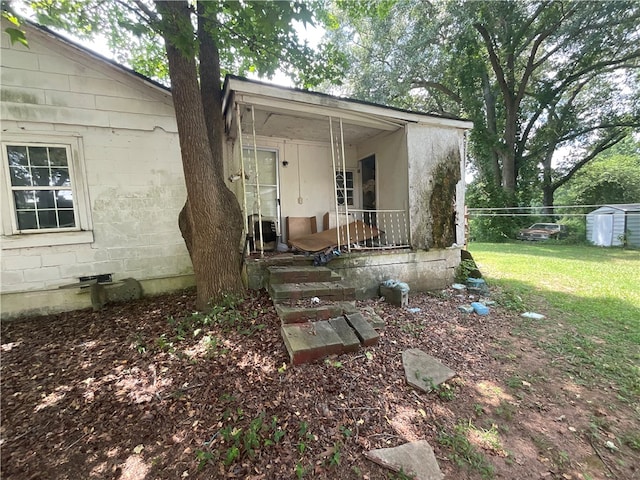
pixel 301 126
pixel 308 123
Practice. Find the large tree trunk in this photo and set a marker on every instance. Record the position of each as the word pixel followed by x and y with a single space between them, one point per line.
pixel 210 221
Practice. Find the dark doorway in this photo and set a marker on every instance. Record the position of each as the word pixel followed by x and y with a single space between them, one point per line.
pixel 368 172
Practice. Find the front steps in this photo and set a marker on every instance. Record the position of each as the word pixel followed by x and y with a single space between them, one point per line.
pixel 313 328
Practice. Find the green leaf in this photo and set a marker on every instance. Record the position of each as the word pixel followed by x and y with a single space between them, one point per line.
pixel 16 36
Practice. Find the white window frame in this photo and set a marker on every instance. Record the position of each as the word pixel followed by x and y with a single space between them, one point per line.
pixel 12 237
pixel 352 189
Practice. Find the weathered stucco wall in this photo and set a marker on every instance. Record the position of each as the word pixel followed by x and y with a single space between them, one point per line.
pixel 127 149
pixel 434 175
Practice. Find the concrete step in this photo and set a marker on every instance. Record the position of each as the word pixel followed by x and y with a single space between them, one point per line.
pixel 299 274
pixel 363 329
pixel 335 291
pixel 307 342
pixel 297 314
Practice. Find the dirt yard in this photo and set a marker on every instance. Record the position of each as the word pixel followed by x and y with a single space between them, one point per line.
pixel 147 391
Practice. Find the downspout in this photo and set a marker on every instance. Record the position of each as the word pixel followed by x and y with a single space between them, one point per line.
pixel 255 159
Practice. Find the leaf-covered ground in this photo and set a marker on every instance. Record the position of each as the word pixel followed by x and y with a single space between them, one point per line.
pixel 146 390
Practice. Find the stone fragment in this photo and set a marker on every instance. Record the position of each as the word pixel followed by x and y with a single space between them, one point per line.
pixel 423 371
pixel 415 459
pixel 372 317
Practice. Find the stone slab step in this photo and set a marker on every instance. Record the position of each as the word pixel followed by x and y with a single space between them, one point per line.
pixel 299 274
pixel 350 342
pixel 308 314
pixel 335 291
pixel 363 329
pixel 306 342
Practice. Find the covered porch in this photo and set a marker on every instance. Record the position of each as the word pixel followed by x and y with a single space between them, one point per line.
pixel 359 172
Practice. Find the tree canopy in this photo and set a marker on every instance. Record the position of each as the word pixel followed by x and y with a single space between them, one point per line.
pixel 548 84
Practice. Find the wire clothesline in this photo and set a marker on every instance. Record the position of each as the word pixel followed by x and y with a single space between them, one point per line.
pixel 540 207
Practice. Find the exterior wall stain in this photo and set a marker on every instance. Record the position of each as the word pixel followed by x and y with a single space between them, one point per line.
pixel 442 202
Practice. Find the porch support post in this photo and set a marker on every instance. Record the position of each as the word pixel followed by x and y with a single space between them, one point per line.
pixel 244 183
pixel 344 186
pixel 335 183
pixel 255 159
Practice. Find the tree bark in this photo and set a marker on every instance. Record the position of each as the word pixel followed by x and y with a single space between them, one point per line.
pixel 210 221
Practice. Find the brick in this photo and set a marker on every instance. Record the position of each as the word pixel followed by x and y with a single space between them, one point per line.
pixel 365 332
pixel 311 341
pixel 303 315
pixel 349 339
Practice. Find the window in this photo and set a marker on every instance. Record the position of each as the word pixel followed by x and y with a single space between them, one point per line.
pixel 344 186
pixel 44 191
pixel 41 187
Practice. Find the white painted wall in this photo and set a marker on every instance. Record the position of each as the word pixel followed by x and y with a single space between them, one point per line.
pixel 129 154
pixel 306 183
pixel 390 149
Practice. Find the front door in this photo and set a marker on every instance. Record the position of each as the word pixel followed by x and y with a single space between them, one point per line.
pixel 261 186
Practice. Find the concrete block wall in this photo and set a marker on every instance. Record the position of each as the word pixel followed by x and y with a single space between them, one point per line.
pixel 131 170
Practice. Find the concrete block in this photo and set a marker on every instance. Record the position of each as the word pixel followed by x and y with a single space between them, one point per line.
pixel 56 259
pixel 22 95
pixel 394 297
pixel 69 99
pixel 21 263
pixel 60 64
pixel 41 274
pixel 140 107
pixel 42 80
pixel 19 59
pixel 349 339
pixel 365 332
pixel 11 279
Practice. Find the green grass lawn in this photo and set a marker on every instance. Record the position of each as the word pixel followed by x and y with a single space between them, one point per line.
pixel 591 297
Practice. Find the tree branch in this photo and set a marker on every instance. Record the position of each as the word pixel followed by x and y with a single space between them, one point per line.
pixel 426 84
pixel 605 144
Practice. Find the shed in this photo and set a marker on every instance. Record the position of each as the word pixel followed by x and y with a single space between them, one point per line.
pixel 615 225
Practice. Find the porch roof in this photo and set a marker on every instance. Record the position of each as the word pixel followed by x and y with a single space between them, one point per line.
pixel 303 115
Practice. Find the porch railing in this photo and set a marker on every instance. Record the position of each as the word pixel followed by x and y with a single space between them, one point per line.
pixel 373 229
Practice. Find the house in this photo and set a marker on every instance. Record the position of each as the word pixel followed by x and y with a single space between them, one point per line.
pixel 92 180
pixel 615 225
